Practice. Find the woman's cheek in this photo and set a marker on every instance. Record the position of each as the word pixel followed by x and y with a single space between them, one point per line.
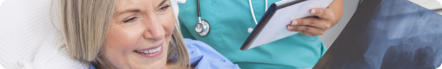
pixel 121 37
pixel 169 29
pixel 169 24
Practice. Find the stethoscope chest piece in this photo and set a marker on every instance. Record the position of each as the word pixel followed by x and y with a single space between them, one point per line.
pixel 202 28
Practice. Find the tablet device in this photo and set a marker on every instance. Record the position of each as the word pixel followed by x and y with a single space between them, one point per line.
pixel 273 25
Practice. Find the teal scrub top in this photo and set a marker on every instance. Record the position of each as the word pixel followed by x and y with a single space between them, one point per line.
pixel 229 21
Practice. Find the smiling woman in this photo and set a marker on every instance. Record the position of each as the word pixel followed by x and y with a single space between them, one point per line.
pixel 132 34
pixel 124 34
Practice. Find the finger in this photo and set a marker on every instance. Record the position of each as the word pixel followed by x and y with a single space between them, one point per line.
pixel 301 29
pixel 317 23
pixel 311 31
pixel 293 28
pixel 294 21
pixel 322 13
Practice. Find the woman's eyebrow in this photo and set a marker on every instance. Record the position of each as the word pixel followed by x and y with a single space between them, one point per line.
pixel 129 10
pixel 162 2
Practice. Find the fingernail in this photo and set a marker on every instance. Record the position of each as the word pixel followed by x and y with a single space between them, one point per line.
pixel 313 11
pixel 294 22
pixel 290 28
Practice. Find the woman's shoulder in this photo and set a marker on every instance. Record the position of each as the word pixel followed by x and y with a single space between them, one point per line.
pixel 202 56
pixel 190 43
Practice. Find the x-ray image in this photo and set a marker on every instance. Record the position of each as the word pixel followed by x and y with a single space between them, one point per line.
pixel 387 34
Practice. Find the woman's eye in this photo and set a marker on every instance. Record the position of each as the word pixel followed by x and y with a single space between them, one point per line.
pixel 131 19
pixel 163 8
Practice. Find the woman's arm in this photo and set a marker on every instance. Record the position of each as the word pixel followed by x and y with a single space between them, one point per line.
pixel 314 26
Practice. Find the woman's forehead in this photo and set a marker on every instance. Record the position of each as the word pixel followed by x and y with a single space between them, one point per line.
pixel 122 5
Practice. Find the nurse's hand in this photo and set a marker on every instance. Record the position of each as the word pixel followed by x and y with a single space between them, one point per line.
pixel 313 26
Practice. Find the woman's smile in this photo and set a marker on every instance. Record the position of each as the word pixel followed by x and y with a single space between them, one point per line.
pixel 151 52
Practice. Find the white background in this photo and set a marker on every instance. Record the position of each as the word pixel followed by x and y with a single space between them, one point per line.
pixel 1 2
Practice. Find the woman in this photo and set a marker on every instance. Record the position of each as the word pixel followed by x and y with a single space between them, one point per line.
pixel 229 22
pixel 132 34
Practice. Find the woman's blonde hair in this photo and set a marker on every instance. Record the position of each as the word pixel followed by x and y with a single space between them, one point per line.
pixel 85 24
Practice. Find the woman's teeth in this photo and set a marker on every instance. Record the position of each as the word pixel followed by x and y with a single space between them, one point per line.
pixel 149 51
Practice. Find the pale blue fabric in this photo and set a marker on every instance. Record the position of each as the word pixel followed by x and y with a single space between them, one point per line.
pixel 92 66
pixel 202 56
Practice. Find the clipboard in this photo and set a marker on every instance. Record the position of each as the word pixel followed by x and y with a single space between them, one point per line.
pixel 274 23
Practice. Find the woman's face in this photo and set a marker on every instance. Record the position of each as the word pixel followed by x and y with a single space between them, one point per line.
pixel 139 34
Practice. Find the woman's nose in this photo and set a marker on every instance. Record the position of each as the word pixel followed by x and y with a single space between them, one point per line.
pixel 154 30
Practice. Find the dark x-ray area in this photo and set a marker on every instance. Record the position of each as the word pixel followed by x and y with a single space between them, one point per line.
pixel 387 34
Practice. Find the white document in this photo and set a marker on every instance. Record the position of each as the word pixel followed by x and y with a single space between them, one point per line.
pixel 276 28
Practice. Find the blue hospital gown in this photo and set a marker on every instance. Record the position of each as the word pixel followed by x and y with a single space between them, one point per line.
pixel 202 56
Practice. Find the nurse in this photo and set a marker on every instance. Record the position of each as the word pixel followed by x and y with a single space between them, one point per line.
pixel 224 25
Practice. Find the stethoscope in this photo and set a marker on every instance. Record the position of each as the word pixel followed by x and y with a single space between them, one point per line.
pixel 203 26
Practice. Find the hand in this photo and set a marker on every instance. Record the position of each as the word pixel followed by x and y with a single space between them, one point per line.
pixel 323 20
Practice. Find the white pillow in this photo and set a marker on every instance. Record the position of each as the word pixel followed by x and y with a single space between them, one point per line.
pixel 1 67
pixel 440 2
pixel 1 2
pixel 29 40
